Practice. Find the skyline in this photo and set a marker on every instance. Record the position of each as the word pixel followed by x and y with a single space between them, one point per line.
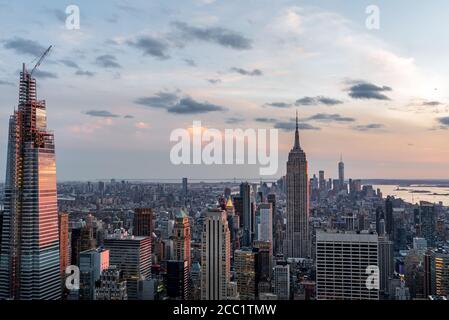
pixel 114 85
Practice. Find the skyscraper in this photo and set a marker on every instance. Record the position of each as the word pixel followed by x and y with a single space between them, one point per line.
pixel 265 232
pixel 132 255
pixel 92 264
pixel 29 261
pixel 342 260
pixel 64 245
pixel 143 222
pixel 282 281
pixel 341 173
pixel 246 217
pixel 181 238
pixel 298 239
pixel 215 256
pixel 245 270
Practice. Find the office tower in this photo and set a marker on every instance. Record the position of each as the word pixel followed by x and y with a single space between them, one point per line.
pixel 215 256
pixel 181 238
pixel 342 260
pixel 380 217
pixel 427 219
pixel 87 239
pixel 246 214
pixel 281 277
pixel 184 186
pixel 234 226
pixel 341 173
pixel 64 245
pixel 265 232
pixel 437 272
pixel 414 273
pixel 111 286
pixel 143 222
pixel 92 263
pixel 178 279
pixel 245 270
pixel 132 255
pixel 30 236
pixel 322 181
pixel 386 263
pixel 263 255
pixel 389 218
pixel 195 284
pixel 298 239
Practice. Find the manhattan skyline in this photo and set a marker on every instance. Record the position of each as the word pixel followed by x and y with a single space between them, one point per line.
pixel 135 71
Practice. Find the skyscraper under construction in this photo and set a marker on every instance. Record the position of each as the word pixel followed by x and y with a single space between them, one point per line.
pixel 29 260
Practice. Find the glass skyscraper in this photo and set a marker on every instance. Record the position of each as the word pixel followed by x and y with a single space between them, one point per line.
pixel 29 260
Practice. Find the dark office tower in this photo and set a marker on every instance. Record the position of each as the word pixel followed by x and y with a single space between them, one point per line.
pixel 389 219
pixel 298 240
pixel 386 264
pixel 29 261
pixel 132 255
pixel 177 280
pixel 227 192
pixel 341 173
pixel 143 222
pixel 427 222
pixel 75 245
pixel 246 217
pixel 322 181
pixel 379 216
pixel 262 250
pixel 184 186
pixel 271 198
pixel 64 245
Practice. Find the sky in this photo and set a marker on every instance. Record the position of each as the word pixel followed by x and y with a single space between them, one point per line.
pixel 137 70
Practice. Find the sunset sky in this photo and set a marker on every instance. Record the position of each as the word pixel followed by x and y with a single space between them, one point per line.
pixel 136 70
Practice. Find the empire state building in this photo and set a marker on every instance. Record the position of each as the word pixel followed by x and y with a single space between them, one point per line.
pixel 29 260
pixel 297 244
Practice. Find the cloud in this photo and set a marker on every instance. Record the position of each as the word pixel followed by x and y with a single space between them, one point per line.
pixel 369 127
pixel 69 63
pixel 190 62
pixel 58 14
pixel 221 36
pixel 6 83
pixel 24 46
pixel 366 90
pixel 278 105
pixel 101 113
pixel 291 126
pixel 84 73
pixel 214 81
pixel 173 102
pixel 189 106
pixel 431 103
pixel 128 116
pixel 233 120
pixel 159 100
pixel 151 46
pixel 313 101
pixel 444 121
pixel 265 120
pixel 44 74
pixel 325 117
pixel 252 73
pixel 107 61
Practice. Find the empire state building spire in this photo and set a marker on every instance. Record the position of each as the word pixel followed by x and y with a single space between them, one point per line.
pixel 296 146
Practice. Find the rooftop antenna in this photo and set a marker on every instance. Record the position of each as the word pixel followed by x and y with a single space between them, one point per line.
pixel 40 60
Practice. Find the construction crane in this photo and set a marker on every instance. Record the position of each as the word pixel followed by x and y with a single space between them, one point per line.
pixel 40 60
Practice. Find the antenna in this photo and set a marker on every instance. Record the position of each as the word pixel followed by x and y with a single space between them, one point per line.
pixel 40 60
